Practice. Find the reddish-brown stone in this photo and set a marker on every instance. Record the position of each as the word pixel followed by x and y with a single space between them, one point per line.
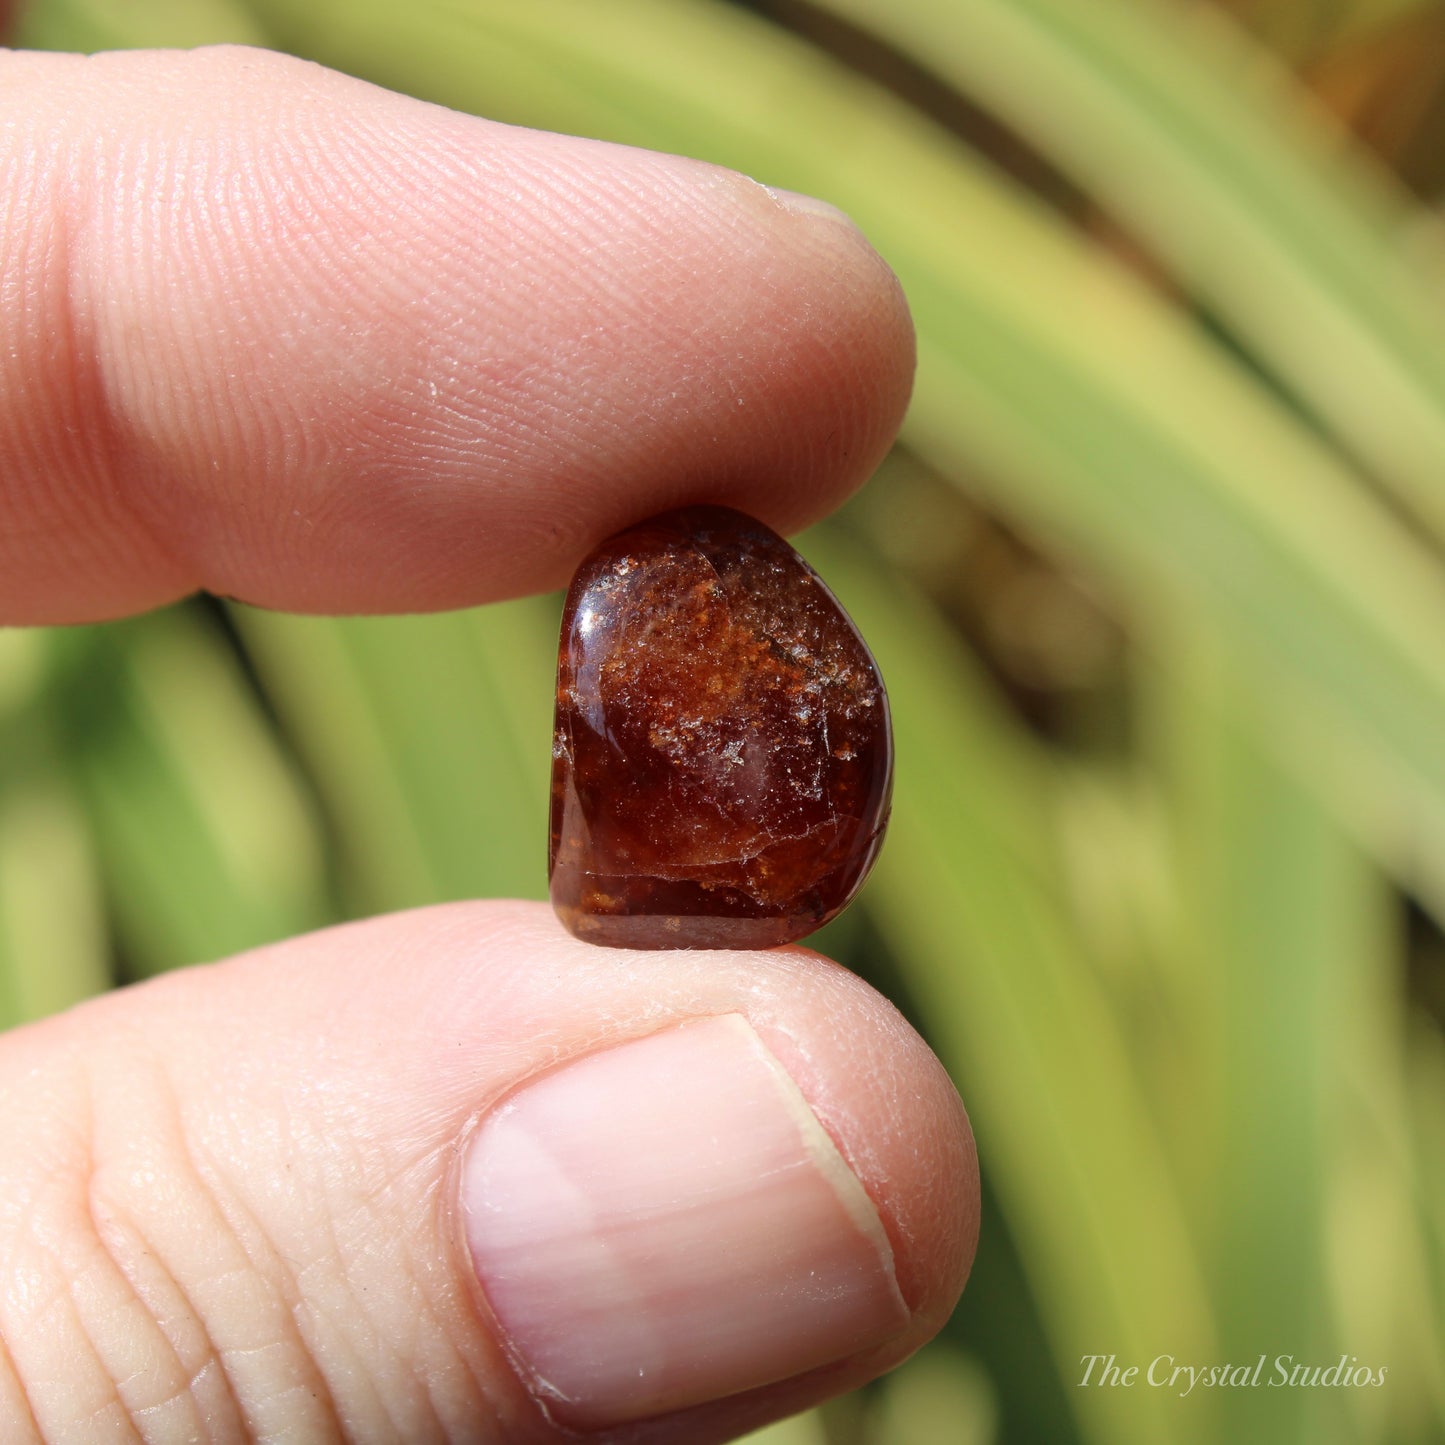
pixel 722 761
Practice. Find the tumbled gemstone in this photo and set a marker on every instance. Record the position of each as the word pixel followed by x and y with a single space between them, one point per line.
pixel 722 761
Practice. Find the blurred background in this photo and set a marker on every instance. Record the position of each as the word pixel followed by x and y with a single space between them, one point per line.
pixel 1156 577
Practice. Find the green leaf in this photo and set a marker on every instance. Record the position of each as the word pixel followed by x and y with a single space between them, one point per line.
pixel 1229 172
pixel 207 840
pixel 939 1395
pixel 1281 915
pixel 804 1429
pixel 430 741
pixel 967 896
pixel 54 948
pixel 133 24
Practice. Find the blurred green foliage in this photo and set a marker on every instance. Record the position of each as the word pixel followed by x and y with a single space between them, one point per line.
pixel 1155 578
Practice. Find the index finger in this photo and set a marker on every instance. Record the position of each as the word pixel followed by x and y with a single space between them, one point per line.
pixel 276 333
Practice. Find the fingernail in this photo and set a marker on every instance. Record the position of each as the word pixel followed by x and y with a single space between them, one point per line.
pixel 666 1222
pixel 811 206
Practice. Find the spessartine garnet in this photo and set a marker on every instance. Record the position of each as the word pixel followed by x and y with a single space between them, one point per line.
pixel 722 761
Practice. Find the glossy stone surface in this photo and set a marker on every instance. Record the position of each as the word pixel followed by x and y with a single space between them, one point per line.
pixel 722 761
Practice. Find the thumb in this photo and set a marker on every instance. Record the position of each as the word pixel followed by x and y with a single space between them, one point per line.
pixel 452 1175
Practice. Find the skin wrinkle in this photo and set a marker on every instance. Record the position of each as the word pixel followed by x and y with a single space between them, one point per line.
pixel 150 1249
pixel 71 1285
pixel 433 1280
pixel 282 1278
pixel 327 1339
pixel 113 1223
pixel 317 1414
pixel 437 1196
pixel 209 1364
pixel 345 1249
pixel 359 1356
pixel 268 1268
pixel 36 1283
pixel 136 1412
pixel 16 1388
pixel 458 1322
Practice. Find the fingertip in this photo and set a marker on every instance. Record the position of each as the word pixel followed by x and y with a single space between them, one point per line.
pixel 328 348
pixel 856 314
pixel 615 1131
pixel 524 1023
pixel 666 1223
pixel 518 1179
pixel 897 1117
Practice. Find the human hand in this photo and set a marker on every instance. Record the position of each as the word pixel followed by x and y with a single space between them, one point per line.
pixel 274 333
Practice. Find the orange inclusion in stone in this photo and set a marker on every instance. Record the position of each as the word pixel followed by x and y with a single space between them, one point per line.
pixel 722 759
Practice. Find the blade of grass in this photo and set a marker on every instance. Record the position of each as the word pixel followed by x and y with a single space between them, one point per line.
pixel 23 667
pixel 1122 895
pixel 1022 1019
pixel 806 1429
pixel 206 837
pixel 1381 1256
pixel 1233 177
pixel 941 1394
pixel 311 678
pixel 54 949
pixel 1269 563
pixel 1425 1062
pixel 429 737
pixel 1281 912
pixel 116 24
pixel 1359 15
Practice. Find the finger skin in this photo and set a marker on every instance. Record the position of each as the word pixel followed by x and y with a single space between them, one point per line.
pixel 228 1202
pixel 274 332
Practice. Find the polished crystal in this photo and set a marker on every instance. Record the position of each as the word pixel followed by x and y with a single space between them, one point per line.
pixel 722 758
